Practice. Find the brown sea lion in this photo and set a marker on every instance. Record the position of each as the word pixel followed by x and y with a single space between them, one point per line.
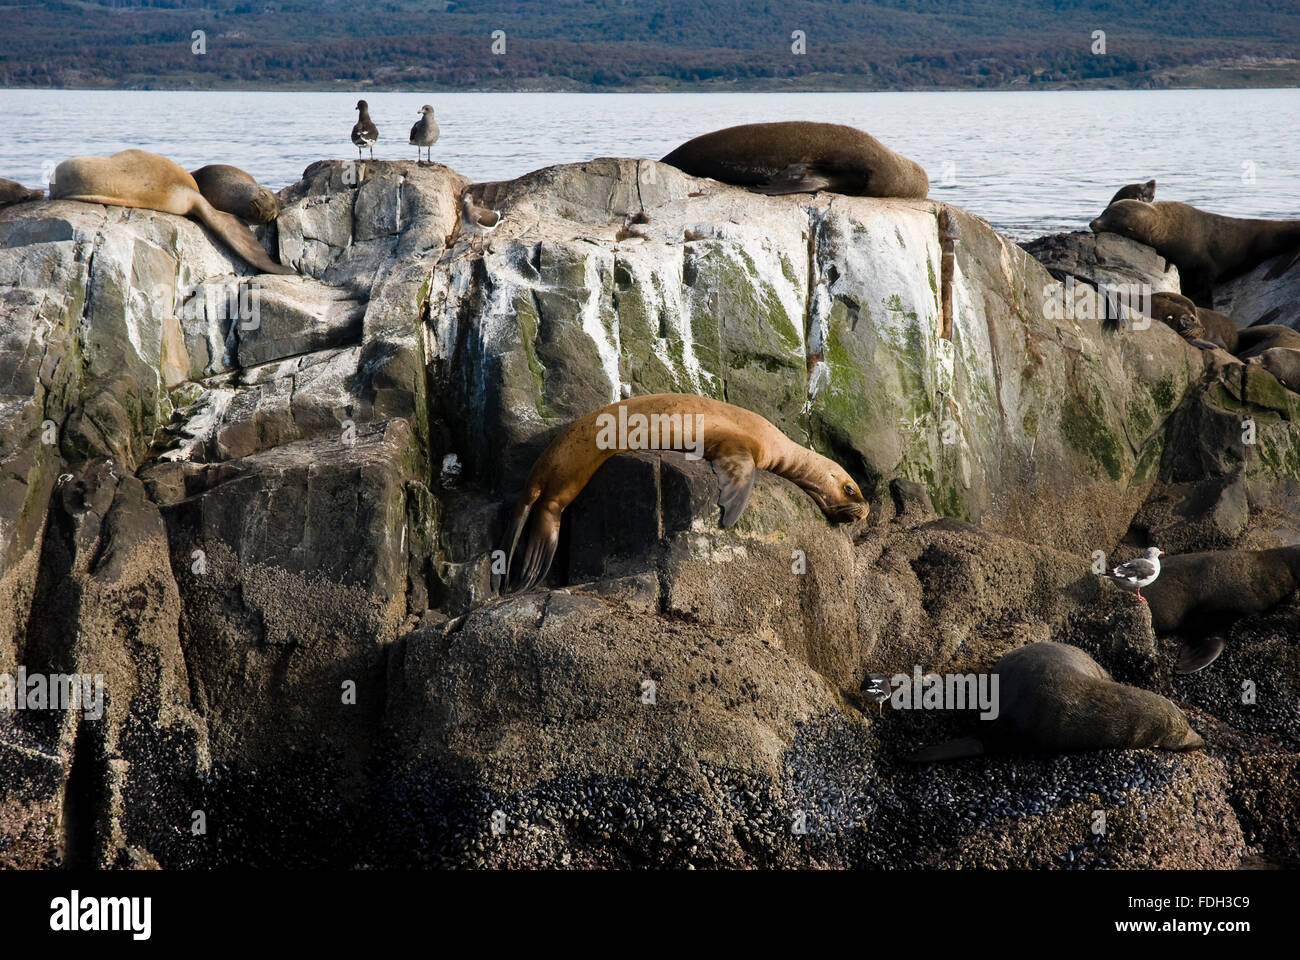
pixel 134 178
pixel 1193 322
pixel 1053 698
pixel 1283 363
pixel 1146 192
pixel 1198 591
pixel 801 157
pixel 235 192
pixel 13 192
pixel 1252 341
pixel 1207 248
pixel 737 442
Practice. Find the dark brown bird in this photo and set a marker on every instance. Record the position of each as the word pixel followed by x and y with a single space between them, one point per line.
pixel 425 132
pixel 364 131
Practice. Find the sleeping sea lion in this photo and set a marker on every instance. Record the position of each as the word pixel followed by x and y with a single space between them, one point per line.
pixel 13 192
pixel 1283 363
pixel 1207 248
pixel 737 442
pixel 801 157
pixel 1054 698
pixel 235 192
pixel 1146 192
pixel 134 178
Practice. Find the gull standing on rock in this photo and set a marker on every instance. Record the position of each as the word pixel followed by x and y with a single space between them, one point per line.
pixel 1140 572
pixel 425 132
pixel 364 131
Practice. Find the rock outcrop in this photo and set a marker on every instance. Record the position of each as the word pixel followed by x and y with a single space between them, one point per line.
pixel 264 510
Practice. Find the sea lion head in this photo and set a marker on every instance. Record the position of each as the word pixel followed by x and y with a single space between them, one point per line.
pixel 1129 218
pixel 1167 726
pixel 264 206
pixel 834 491
pixel 1177 313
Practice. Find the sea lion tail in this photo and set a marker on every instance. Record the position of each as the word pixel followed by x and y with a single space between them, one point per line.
pixel 949 750
pixel 543 538
pixel 235 235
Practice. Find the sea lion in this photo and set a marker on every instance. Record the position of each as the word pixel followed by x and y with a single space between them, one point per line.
pixel 1207 248
pixel 13 192
pixel 233 191
pixel 1283 363
pixel 425 132
pixel 364 132
pixel 1146 192
pixel 1054 698
pixel 1199 592
pixel 1252 341
pixel 134 178
pixel 1193 322
pixel 737 441
pixel 801 157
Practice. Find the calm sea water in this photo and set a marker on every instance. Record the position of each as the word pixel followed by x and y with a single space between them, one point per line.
pixel 1030 163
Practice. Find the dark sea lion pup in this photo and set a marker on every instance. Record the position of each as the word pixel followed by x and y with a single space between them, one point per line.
pixel 1207 248
pixel 232 191
pixel 801 157
pixel 735 440
pixel 1146 192
pixel 134 178
pixel 1053 698
pixel 13 192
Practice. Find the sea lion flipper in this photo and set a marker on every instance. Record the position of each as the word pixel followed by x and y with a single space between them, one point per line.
pixel 796 178
pixel 1199 655
pixel 957 749
pixel 543 538
pixel 236 235
pixel 517 521
pixel 734 466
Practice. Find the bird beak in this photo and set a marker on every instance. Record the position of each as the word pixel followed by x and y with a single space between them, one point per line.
pixel 1162 553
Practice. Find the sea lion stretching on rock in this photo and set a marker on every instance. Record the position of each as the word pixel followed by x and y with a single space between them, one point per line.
pixel 1054 698
pixel 1283 363
pixel 233 191
pixel 1197 590
pixel 13 192
pixel 801 157
pixel 1207 248
pixel 735 440
pixel 134 178
pixel 1146 192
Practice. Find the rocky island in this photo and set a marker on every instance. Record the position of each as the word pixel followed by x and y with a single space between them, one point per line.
pixel 264 509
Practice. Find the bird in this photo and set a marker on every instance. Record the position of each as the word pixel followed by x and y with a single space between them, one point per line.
pixel 425 132
pixel 1139 572
pixel 478 219
pixel 364 131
